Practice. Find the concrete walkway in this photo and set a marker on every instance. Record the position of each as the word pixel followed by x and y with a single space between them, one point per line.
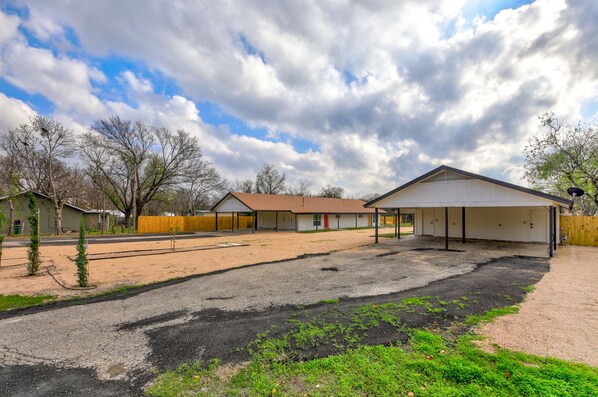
pixel 560 318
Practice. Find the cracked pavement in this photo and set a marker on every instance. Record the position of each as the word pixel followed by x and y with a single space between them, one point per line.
pixel 108 342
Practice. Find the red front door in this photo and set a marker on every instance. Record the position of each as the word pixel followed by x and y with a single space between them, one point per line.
pixel 326 221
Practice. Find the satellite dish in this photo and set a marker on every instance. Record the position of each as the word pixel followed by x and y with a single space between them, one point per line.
pixel 575 191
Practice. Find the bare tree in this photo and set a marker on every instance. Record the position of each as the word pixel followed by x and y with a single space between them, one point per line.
pixel 10 172
pixel 133 162
pixel 564 156
pixel 369 197
pixel 199 186
pixel 40 146
pixel 245 186
pixel 330 191
pixel 269 180
pixel 301 188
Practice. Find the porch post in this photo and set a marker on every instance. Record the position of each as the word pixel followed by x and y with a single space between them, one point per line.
pixel 216 221
pixel 232 222
pixel 446 237
pixel 398 223
pixel 554 228
pixel 255 221
pixel 276 221
pixel 355 220
pixel 551 228
pixel 238 221
pixel 463 225
pixel 376 225
pixel 296 224
pixel 394 222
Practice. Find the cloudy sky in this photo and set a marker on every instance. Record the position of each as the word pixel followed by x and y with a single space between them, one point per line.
pixel 362 94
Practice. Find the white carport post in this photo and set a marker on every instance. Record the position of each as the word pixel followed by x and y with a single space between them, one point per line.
pixel 376 216
pixel 446 229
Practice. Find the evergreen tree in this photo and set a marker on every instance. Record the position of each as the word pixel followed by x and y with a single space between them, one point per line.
pixel 81 260
pixel 33 252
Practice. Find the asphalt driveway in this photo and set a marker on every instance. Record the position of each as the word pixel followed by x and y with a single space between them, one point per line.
pixel 112 345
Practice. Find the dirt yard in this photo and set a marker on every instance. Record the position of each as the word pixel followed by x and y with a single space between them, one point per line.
pixel 560 318
pixel 264 246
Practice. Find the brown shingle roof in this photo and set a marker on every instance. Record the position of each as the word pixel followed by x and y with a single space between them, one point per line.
pixel 302 205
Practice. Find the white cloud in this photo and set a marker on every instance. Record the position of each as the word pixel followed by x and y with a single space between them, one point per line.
pixel 8 26
pixel 386 89
pixel 13 112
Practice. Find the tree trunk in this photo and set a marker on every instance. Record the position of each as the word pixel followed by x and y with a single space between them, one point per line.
pixel 11 216
pixel 127 217
pixel 58 219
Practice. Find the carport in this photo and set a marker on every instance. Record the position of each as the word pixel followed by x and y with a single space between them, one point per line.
pixel 452 203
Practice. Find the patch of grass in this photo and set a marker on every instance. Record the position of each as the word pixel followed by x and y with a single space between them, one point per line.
pixel 13 301
pixel 318 231
pixel 491 315
pixel 335 300
pixel 529 289
pixel 430 366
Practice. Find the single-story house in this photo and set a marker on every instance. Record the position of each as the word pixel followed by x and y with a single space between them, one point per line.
pixel 453 203
pixel 278 212
pixel 71 215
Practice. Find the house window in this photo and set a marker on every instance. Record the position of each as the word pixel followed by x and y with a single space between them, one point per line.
pixel 317 220
pixel 360 215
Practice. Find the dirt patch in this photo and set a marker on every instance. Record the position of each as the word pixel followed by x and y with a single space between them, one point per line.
pixel 560 317
pixel 263 246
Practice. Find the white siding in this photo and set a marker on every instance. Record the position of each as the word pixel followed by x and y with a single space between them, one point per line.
pixel 498 223
pixel 463 193
pixel 232 204
pixel 306 221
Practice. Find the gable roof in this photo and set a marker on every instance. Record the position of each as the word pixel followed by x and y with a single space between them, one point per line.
pixel 48 198
pixel 299 204
pixel 472 176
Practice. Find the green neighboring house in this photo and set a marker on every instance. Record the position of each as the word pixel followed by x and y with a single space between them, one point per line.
pixel 71 215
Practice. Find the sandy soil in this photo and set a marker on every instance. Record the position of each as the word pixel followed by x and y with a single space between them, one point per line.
pixel 262 246
pixel 560 318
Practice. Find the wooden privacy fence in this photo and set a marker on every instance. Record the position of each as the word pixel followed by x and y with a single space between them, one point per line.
pixel 205 223
pixel 580 230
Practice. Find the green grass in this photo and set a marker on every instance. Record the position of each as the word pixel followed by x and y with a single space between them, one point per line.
pixel 367 227
pixel 428 365
pixel 13 301
pixel 318 231
pixel 335 300
pixel 491 315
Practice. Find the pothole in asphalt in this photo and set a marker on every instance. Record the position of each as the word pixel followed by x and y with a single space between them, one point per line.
pixel 329 269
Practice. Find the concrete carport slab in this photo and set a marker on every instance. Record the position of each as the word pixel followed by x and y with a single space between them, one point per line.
pixel 482 248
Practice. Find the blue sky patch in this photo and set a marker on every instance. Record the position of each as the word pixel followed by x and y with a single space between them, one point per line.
pixel 38 102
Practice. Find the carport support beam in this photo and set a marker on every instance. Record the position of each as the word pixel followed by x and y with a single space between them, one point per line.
pixel 463 225
pixel 554 228
pixel 216 221
pixel 550 233
pixel 398 223
pixel 232 222
pixel 376 241
pixel 446 228
pixel 276 221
